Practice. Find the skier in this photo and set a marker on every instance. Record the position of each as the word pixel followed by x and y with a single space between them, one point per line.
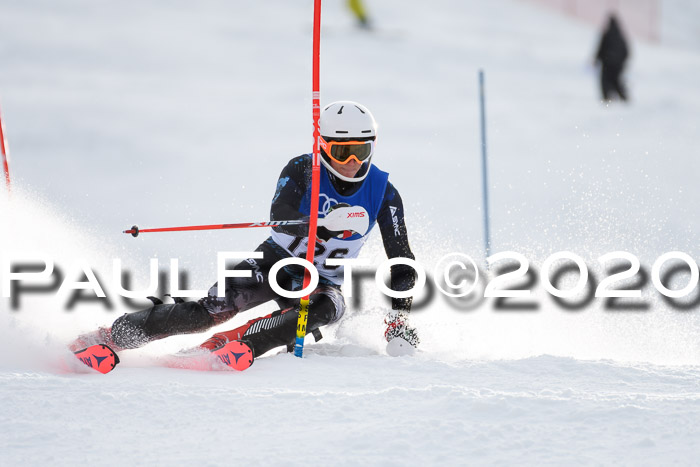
pixel 348 182
pixel 612 55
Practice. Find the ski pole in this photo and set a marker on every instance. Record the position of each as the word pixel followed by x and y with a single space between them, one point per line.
pixel 135 231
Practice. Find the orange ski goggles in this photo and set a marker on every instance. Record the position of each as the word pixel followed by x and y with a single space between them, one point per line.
pixel 343 152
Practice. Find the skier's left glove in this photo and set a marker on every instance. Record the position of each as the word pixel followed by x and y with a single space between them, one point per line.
pixel 397 326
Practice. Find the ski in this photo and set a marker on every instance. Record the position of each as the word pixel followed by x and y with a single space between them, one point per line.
pixel 98 357
pixel 234 355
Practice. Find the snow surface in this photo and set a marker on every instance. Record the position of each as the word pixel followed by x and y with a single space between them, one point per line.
pixel 174 113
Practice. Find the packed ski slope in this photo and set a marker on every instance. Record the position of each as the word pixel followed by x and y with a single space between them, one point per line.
pixel 170 113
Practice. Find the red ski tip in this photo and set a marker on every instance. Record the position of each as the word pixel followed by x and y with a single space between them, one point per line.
pixel 98 357
pixel 236 355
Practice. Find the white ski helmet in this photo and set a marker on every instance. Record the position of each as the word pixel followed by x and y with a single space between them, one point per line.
pixel 344 121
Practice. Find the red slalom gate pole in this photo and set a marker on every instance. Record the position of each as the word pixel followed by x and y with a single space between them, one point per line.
pixel 135 231
pixel 5 154
pixel 315 178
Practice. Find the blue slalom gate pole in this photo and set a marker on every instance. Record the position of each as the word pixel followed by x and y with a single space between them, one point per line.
pixel 484 167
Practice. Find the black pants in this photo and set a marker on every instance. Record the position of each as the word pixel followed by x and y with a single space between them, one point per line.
pixel 611 83
pixel 240 294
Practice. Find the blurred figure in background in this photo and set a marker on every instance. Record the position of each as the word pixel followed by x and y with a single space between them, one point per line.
pixel 612 55
pixel 360 12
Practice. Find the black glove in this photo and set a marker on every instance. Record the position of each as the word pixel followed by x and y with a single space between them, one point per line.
pixel 323 234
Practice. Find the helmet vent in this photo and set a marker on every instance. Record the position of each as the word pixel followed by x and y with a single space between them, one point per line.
pixel 341 109
pixel 360 109
pixel 343 131
pixel 366 131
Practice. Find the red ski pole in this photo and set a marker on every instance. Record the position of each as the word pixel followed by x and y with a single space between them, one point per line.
pixel 135 231
pixel 5 154
pixel 315 178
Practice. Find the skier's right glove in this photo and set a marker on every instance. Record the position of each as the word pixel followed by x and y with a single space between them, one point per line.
pixel 397 326
pixel 323 233
pixel 342 221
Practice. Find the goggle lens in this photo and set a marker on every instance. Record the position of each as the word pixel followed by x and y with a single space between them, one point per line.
pixel 343 151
